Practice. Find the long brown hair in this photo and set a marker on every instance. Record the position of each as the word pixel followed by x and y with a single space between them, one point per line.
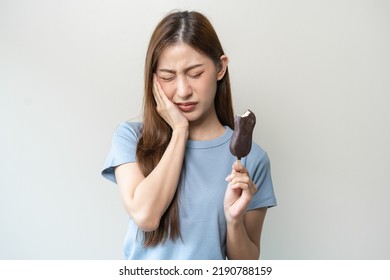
pixel 195 30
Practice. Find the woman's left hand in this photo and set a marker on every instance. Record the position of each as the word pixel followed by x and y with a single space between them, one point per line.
pixel 239 193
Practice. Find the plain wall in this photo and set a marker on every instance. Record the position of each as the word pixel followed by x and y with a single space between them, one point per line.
pixel 316 73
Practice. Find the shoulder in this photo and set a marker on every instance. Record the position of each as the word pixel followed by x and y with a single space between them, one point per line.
pixel 134 127
pixel 257 162
pixel 259 166
pixel 258 154
pixel 123 147
pixel 128 129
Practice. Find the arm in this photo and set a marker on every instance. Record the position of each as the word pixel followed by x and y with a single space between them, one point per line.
pixel 243 239
pixel 243 227
pixel 147 198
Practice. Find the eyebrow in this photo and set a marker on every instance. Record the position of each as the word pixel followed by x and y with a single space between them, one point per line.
pixel 185 70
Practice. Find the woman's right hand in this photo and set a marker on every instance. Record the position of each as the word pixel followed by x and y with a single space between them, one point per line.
pixel 166 108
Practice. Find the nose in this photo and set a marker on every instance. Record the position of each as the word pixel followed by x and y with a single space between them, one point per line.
pixel 183 87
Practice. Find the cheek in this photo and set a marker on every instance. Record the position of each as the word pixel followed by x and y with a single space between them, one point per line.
pixel 209 86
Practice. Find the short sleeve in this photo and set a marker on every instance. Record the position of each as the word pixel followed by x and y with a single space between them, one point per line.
pixel 123 148
pixel 259 167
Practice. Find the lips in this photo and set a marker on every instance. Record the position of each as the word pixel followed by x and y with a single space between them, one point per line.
pixel 186 106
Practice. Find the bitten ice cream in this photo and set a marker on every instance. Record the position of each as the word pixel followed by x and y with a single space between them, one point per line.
pixel 241 141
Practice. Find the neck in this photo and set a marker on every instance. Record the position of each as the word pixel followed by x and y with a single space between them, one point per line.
pixel 207 130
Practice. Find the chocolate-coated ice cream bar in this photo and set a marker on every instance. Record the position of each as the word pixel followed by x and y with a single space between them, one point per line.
pixel 241 141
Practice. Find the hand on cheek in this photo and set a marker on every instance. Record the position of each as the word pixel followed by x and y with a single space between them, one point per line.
pixel 166 108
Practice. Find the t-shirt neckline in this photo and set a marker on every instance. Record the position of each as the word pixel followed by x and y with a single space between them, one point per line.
pixel 194 144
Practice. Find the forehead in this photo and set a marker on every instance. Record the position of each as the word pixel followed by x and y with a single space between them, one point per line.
pixel 180 56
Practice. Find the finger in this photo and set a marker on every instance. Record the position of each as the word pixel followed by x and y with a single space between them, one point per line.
pixel 242 186
pixel 163 97
pixel 156 92
pixel 238 167
pixel 253 188
pixel 241 177
pixel 242 182
pixel 242 192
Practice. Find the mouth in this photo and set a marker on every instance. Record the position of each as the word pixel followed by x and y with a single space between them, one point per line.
pixel 186 106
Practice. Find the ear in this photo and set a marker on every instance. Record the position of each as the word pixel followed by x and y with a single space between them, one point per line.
pixel 223 63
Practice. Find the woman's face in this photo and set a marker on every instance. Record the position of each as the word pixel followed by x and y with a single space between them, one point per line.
pixel 189 79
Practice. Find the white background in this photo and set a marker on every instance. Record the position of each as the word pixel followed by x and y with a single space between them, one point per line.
pixel 316 73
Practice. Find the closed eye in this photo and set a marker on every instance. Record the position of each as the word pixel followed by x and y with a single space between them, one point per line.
pixel 196 76
pixel 167 79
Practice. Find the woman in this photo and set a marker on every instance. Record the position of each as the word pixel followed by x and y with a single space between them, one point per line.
pixel 172 168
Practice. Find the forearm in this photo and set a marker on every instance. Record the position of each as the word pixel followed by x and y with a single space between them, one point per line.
pixel 239 245
pixel 153 195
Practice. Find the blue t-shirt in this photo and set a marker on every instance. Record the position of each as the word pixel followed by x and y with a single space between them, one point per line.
pixel 201 194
